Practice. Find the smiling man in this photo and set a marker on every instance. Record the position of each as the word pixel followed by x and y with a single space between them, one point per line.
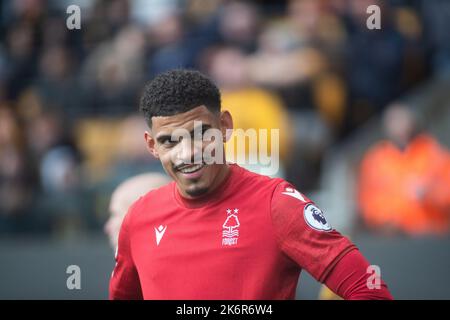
pixel 219 231
pixel 178 141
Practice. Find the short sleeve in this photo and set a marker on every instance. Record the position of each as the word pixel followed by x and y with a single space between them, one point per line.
pixel 124 283
pixel 304 234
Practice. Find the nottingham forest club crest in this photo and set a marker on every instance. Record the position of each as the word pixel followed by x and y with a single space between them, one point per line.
pixel 230 233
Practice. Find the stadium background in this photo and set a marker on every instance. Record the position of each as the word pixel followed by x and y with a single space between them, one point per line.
pixel 70 131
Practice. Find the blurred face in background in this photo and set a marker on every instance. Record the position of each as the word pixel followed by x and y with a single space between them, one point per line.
pixel 399 124
pixel 305 13
pixel 55 63
pixel 229 69
pixel 124 196
pixel 239 22
pixel 179 156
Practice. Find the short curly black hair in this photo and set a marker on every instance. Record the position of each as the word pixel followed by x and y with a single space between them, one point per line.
pixel 177 91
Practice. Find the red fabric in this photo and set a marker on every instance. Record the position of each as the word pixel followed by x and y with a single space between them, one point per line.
pixel 250 239
pixel 313 250
pixel 350 276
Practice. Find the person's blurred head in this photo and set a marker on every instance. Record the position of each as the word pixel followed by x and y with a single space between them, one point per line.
pixel 400 123
pixel 44 132
pixel 9 127
pixel 120 67
pixel 129 43
pixel 228 68
pixel 305 13
pixel 180 106
pixel 130 148
pixel 167 30
pixel 59 170
pixel 55 63
pixel 29 9
pixel 239 23
pixel 52 33
pixel 123 197
pixel 20 41
pixel 117 12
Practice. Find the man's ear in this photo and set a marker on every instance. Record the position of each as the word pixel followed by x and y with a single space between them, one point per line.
pixel 226 125
pixel 150 142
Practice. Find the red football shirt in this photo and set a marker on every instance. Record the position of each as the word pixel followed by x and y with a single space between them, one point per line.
pixel 248 240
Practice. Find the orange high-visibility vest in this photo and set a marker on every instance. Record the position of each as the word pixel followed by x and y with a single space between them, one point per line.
pixel 407 189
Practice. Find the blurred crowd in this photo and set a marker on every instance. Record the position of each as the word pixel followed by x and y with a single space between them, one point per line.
pixel 69 126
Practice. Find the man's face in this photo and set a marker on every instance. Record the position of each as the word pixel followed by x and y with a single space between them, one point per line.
pixel 399 124
pixel 183 157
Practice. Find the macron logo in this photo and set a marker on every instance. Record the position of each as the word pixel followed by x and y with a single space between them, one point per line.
pixel 294 193
pixel 159 232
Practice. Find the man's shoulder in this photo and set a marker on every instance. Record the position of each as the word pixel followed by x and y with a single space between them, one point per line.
pixel 256 180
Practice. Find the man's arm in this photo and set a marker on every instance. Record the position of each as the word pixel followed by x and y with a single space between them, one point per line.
pixel 306 237
pixel 124 283
pixel 349 279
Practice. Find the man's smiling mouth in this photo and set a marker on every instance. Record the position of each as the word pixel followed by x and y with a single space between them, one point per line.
pixel 190 168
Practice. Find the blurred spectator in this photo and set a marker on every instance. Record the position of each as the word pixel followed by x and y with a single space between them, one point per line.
pixel 125 195
pixel 121 155
pixel 59 171
pixel 172 49
pixel 177 38
pixel 404 182
pixel 148 13
pixel 250 106
pixel 132 156
pixel 280 62
pixel 20 57
pixel 109 161
pixel 113 74
pixel 436 18
pixel 239 24
pixel 308 67
pixel 47 130
pixel 55 83
pixel 379 64
pixel 104 22
pixel 57 162
pixel 15 186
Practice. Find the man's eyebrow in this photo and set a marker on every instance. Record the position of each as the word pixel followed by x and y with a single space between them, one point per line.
pixel 164 136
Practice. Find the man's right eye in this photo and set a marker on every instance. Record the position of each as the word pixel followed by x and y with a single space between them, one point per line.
pixel 169 142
